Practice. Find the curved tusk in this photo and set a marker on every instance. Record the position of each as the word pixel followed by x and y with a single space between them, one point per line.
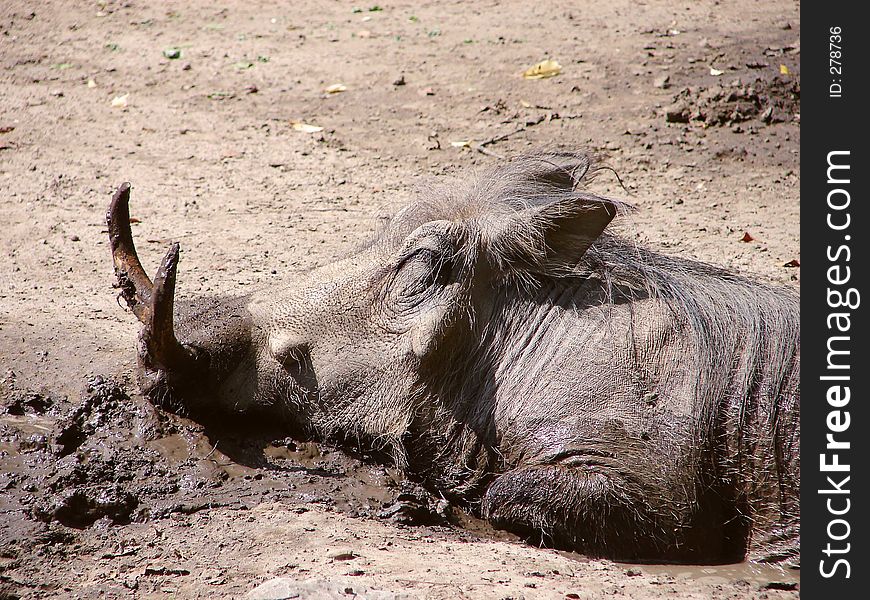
pixel 163 348
pixel 136 287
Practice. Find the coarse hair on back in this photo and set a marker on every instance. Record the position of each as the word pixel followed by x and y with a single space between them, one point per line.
pixel 514 209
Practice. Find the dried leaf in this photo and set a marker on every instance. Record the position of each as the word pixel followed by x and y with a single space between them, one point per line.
pixel 715 72
pixel 305 127
pixel 345 556
pixel 542 70
pixel 746 237
pixel 120 101
pixel 336 88
pixel 461 144
pixel 792 263
pixel 783 70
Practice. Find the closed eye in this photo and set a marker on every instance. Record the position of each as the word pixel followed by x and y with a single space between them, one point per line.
pixel 419 271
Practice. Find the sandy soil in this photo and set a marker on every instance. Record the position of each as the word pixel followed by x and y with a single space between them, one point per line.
pixel 696 103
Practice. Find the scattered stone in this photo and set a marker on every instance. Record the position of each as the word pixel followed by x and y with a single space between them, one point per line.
pixel 164 571
pixel 663 82
pixel 677 113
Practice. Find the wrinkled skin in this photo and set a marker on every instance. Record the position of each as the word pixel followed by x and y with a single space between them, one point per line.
pixel 507 350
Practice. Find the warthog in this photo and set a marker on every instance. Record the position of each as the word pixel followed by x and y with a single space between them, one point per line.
pixel 515 356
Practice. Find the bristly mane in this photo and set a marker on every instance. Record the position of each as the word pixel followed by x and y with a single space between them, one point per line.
pixel 744 332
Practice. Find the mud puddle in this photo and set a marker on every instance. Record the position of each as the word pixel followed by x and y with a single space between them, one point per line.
pixel 113 459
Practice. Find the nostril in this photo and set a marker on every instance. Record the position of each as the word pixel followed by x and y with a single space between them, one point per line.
pixel 288 348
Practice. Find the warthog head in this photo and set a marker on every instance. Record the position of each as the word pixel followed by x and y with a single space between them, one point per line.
pixel 362 330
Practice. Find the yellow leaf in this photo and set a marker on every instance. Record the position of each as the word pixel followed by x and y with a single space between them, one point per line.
pixel 120 101
pixel 783 70
pixel 542 70
pixel 336 88
pixel 305 127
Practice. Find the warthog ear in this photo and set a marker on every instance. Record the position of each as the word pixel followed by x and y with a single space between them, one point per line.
pixel 549 237
pixel 569 227
pixel 546 222
pixel 560 170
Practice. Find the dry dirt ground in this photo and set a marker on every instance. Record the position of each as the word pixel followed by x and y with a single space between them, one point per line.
pixel 696 103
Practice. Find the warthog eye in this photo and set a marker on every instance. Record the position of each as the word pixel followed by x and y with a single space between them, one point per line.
pixel 418 272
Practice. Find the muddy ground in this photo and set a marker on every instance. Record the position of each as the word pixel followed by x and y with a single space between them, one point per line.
pixel 697 105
